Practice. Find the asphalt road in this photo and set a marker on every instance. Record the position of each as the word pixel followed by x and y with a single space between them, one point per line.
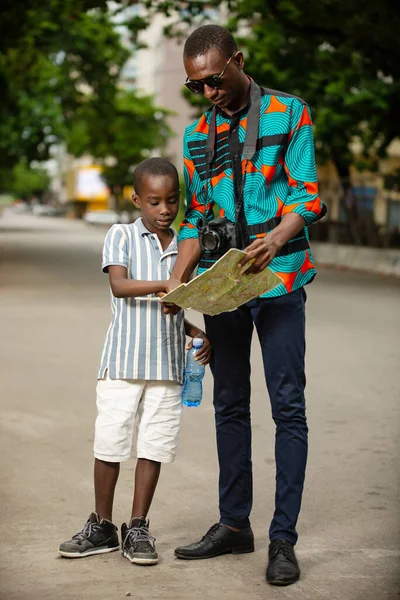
pixel 54 310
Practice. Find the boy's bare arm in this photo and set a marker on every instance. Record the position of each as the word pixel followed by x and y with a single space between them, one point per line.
pixel 123 287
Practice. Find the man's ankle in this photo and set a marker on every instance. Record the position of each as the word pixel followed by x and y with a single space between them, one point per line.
pixel 235 529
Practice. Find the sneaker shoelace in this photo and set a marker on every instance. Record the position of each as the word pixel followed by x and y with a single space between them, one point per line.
pixel 282 547
pixel 87 530
pixel 138 534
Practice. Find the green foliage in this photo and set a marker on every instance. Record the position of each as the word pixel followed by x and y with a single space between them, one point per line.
pixel 23 181
pixel 59 70
pixel 52 53
pixel 119 134
pixel 342 58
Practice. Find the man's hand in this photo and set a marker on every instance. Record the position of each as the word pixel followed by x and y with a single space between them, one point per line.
pixel 261 252
pixel 203 355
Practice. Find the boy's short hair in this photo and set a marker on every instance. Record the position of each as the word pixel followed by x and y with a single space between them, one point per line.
pixel 153 167
pixel 210 36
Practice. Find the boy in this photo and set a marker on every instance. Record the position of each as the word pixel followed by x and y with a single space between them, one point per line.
pixel 141 369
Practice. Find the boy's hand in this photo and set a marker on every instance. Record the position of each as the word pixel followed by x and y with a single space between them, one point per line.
pixel 203 355
pixel 172 284
pixel 168 307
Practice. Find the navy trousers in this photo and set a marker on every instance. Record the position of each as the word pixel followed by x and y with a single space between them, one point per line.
pixel 280 325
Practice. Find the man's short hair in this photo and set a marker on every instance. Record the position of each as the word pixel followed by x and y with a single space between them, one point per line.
pixel 153 167
pixel 210 36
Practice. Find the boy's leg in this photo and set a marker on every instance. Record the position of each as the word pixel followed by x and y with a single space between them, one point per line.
pixel 159 419
pixel 146 478
pixel 105 479
pixel 117 403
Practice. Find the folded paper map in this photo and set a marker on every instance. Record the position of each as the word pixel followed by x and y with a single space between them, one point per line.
pixel 223 287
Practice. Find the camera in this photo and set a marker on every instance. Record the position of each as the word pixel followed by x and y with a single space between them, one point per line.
pixel 218 235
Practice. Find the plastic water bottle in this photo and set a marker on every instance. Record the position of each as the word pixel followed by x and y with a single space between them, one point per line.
pixel 194 373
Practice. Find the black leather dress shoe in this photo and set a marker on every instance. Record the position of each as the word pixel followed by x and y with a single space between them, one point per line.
pixel 283 568
pixel 219 539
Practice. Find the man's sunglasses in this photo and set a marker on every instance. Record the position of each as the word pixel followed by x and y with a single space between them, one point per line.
pixel 213 81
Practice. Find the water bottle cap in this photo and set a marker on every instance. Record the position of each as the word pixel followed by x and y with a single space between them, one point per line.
pixel 197 342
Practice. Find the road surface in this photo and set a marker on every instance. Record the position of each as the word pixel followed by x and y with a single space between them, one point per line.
pixel 54 310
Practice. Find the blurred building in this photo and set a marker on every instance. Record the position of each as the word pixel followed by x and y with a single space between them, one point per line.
pixel 376 194
pixel 157 70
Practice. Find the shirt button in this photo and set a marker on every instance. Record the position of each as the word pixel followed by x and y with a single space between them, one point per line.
pixel 236 156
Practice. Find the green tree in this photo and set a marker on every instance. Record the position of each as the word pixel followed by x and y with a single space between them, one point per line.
pixel 54 54
pixel 24 181
pixel 119 134
pixel 342 58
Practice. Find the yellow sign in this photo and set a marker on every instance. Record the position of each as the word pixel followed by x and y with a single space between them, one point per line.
pixel 89 184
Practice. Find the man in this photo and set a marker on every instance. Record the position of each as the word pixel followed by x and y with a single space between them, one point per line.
pixel 252 153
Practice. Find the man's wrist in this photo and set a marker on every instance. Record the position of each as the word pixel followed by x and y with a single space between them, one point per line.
pixel 287 229
pixel 276 239
pixel 195 331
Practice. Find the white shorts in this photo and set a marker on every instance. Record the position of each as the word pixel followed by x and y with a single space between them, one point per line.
pixel 155 405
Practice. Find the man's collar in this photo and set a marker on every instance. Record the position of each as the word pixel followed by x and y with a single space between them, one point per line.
pixel 241 111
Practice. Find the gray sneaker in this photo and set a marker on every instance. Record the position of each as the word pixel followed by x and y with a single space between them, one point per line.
pixel 137 542
pixel 97 537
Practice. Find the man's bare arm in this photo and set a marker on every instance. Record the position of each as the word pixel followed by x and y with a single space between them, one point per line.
pixel 189 254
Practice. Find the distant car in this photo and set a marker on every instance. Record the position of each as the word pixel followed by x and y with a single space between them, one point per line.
pixel 20 207
pixel 45 210
pixel 101 217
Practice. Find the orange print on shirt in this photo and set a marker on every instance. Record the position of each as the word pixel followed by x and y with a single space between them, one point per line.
pixel 217 178
pixel 249 168
pixel 307 263
pixel 202 126
pixel 190 167
pixel 276 106
pixel 280 206
pixel 223 127
pixel 195 205
pixel 288 279
pixel 305 118
pixel 268 171
pixel 311 187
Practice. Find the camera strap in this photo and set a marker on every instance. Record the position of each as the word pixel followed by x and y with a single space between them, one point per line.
pixel 249 149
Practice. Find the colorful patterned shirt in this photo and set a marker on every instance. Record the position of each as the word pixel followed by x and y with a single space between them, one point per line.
pixel 279 179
